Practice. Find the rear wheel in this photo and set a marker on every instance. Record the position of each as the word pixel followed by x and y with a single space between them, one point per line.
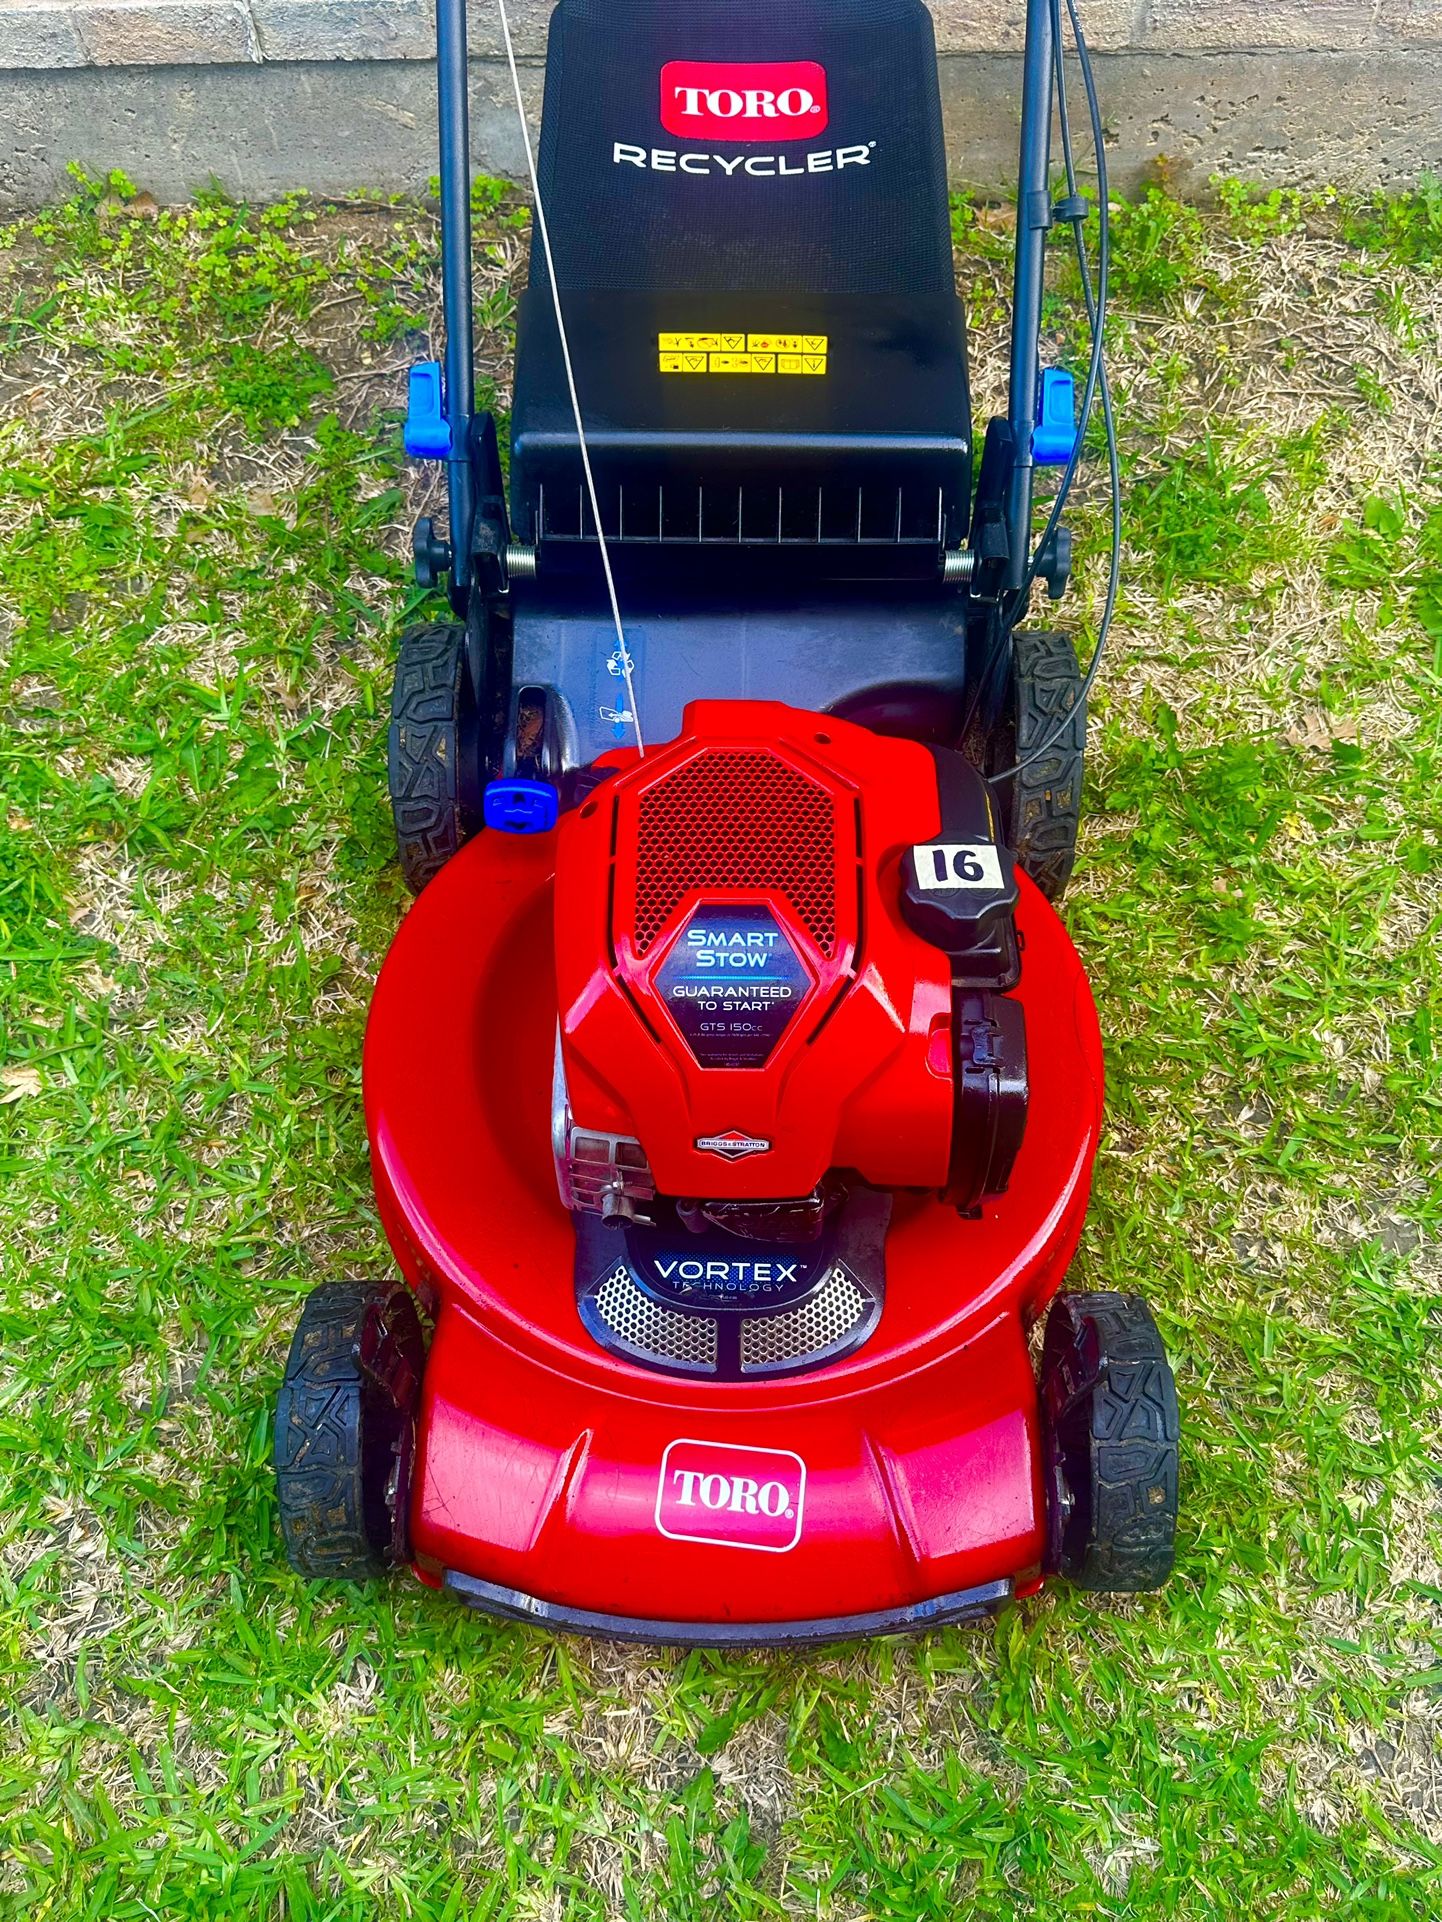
pixel 1040 806
pixel 435 754
pixel 1110 1424
pixel 345 1430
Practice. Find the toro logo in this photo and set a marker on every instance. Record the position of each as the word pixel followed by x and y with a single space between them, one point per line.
pixel 755 100
pixel 737 1496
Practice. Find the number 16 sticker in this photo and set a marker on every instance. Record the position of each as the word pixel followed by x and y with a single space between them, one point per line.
pixel 942 865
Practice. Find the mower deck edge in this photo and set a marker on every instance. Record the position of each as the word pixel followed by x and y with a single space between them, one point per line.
pixel 512 1605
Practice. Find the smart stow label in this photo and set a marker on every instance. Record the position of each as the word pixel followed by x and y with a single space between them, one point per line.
pixel 732 983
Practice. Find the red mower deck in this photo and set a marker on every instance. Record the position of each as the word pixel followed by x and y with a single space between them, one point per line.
pixel 559 1482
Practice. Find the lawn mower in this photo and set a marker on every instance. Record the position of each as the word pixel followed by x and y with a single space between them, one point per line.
pixel 733 1087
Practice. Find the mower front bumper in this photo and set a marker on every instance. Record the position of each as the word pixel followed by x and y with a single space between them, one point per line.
pixel 742 1516
pixel 967 1605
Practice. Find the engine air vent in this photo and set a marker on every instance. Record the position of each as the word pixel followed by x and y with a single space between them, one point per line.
pixel 643 1329
pixel 831 1321
pixel 736 819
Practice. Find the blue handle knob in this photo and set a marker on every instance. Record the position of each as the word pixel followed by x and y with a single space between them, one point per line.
pixel 1054 435
pixel 428 432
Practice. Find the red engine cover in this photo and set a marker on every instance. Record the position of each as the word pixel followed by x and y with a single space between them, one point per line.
pixel 761 851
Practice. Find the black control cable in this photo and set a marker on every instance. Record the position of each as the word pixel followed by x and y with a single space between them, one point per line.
pixel 1074 211
pixel 1006 614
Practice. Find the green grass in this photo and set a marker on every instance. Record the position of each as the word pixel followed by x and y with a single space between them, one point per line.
pixel 203 523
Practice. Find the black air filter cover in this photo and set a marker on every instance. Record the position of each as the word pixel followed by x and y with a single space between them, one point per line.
pixel 960 891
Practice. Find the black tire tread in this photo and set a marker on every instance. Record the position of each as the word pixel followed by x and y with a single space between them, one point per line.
pixel 334 1435
pixel 428 715
pixel 1117 1431
pixel 1041 806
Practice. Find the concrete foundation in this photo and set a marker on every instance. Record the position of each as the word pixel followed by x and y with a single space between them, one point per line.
pixel 262 120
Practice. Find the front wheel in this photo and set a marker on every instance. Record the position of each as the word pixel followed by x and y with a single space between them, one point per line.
pixel 1110 1427
pixel 345 1430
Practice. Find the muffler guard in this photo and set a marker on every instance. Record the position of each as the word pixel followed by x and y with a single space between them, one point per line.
pixel 713 1307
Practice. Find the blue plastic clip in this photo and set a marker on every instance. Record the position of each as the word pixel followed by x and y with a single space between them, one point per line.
pixel 1054 435
pixel 428 432
pixel 522 807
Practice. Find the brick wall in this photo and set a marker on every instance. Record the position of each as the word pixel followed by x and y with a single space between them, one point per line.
pixel 270 94
pixel 107 33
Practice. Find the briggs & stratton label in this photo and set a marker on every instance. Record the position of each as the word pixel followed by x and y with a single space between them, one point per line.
pixel 734 1145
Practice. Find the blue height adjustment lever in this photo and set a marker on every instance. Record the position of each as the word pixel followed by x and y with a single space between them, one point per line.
pixel 428 432
pixel 1054 435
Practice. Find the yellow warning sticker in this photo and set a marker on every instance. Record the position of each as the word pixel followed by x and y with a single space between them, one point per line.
pixel 703 343
pixel 744 353
pixel 787 343
pixel 743 363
